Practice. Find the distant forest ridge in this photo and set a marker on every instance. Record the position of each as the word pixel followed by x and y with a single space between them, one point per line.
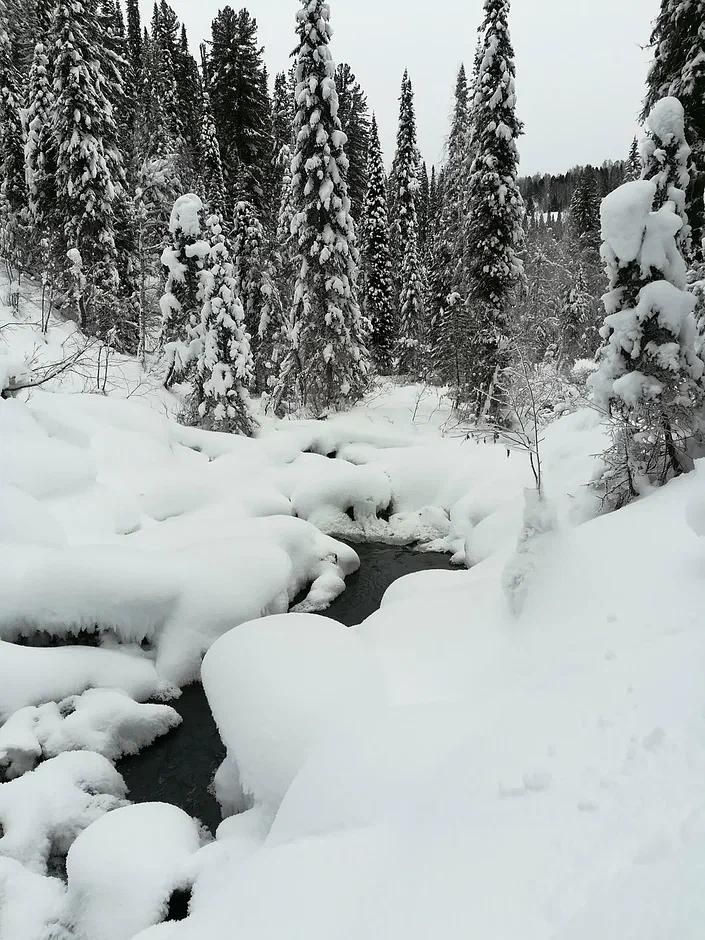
pixel 552 192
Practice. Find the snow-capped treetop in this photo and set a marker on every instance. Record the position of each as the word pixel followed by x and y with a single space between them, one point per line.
pixel 187 215
pixel 624 214
pixel 666 120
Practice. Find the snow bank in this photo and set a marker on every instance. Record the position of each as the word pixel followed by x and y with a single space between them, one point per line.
pixel 30 676
pixel 105 721
pixel 278 686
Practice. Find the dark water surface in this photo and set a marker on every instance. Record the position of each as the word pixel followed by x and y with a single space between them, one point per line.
pixel 178 768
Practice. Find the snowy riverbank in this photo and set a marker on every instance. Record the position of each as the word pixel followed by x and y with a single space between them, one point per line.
pixel 445 768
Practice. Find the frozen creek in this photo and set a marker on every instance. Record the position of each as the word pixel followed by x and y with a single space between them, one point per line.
pixel 178 767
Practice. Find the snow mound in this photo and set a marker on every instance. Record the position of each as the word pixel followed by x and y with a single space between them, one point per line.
pixel 123 870
pixel 278 686
pixel 42 813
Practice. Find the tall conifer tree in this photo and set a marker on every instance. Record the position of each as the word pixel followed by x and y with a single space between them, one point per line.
pixel 495 230
pixel 678 69
pixel 327 361
pixel 378 289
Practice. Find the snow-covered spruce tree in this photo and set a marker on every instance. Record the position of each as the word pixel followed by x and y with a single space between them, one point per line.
pixel 423 201
pixel 224 368
pixel 376 265
pixel 495 208
pixel 576 322
pixel 155 192
pixel 13 191
pixel 632 168
pixel 89 173
pixel 118 72
pixel 240 106
pixel 449 323
pixel 649 378
pixel 189 95
pixel 678 70
pixel 134 36
pixel 211 162
pixel 154 137
pixel 355 122
pixel 182 300
pixel 40 168
pixel 282 128
pixel 584 213
pixel 404 190
pixel 255 283
pixel 326 365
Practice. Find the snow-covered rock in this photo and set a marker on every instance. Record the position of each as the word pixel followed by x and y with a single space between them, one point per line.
pixel 105 721
pixel 123 870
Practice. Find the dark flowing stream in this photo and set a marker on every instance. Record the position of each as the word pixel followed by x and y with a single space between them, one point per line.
pixel 179 767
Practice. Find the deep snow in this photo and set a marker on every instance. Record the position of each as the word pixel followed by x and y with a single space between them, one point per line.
pixel 450 767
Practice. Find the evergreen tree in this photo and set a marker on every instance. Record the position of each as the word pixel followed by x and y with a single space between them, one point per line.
pixel 403 180
pixel 155 192
pixel 224 368
pixel 13 192
pixel 576 321
pixel 44 14
pixel 255 282
pixel 678 69
pixel 649 377
pixel 449 323
pixel 40 160
pixel 89 175
pixel 189 94
pixel 355 121
pixel 161 76
pixel 153 139
pixel 434 206
pixel 282 136
pixel 210 160
pixel 326 361
pixel 120 80
pixel 495 208
pixel 240 106
pixel 424 198
pixel 182 299
pixel 404 187
pixel 632 169
pixel 135 48
pixel 378 289
pixel 585 211
pixel 282 114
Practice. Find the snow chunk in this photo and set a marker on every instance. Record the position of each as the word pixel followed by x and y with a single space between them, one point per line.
pixel 666 120
pixel 185 216
pixel 625 213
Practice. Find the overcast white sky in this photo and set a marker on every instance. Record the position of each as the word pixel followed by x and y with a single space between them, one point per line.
pixel 580 65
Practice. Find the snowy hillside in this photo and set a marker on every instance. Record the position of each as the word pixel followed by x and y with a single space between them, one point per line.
pixel 446 767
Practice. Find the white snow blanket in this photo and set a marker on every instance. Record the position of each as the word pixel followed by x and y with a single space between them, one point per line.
pixel 458 765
